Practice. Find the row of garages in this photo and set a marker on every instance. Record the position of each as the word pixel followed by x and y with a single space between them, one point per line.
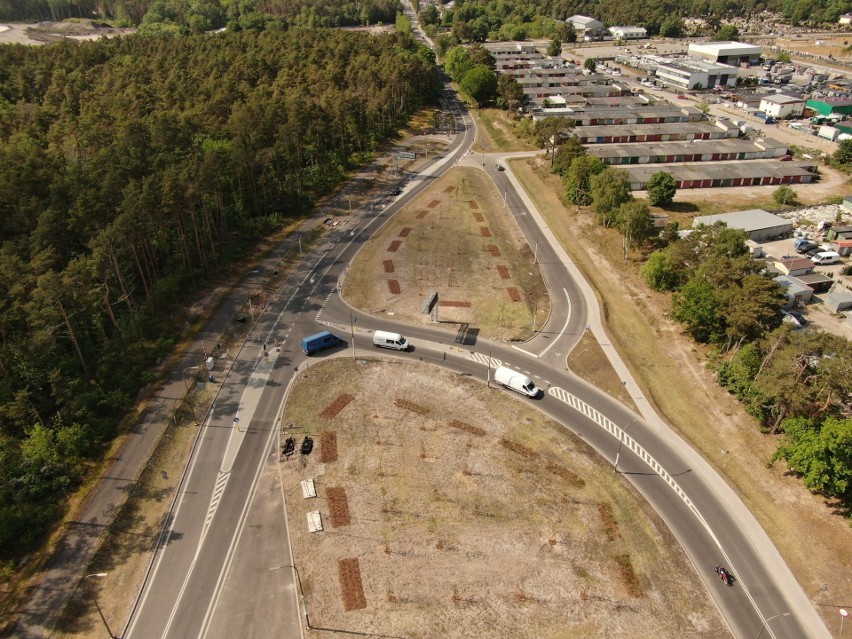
pixel 677 152
pixel 583 116
pixel 626 134
pixel 725 174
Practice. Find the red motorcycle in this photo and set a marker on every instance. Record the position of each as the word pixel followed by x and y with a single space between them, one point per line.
pixel 724 575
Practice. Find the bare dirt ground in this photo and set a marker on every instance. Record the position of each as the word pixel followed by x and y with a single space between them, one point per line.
pixel 470 515
pixel 48 32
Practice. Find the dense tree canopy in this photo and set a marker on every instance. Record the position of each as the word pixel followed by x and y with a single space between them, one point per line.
pixel 131 168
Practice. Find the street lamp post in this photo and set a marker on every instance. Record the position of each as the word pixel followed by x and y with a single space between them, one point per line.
pixel 766 623
pixel 99 575
pixel 621 435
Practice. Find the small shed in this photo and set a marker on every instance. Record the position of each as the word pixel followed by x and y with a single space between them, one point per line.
pixel 843 247
pixel 839 233
pixel 838 301
pixel 794 290
pixel 819 282
pixel 760 225
pixel 794 265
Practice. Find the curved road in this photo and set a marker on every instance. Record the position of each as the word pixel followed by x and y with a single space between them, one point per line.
pixel 189 583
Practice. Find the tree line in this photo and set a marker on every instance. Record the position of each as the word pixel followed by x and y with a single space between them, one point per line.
pixel 130 170
pixel 478 20
pixel 204 15
pixel 794 383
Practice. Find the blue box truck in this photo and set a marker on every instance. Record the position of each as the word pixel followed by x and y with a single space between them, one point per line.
pixel 319 342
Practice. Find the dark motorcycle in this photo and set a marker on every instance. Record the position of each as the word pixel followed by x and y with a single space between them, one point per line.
pixel 289 446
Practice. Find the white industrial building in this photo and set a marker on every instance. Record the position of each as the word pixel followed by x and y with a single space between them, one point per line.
pixel 733 53
pixel 757 223
pixel 628 33
pixel 587 28
pixel 782 106
pixel 691 73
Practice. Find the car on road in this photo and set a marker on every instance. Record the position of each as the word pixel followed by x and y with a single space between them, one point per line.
pixel 500 167
pixel 806 246
pixel 395 191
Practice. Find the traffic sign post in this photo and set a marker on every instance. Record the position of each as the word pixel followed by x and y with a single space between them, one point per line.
pixel 843 615
pixel 237 424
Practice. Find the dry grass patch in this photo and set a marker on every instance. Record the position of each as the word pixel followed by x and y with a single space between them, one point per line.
pixel 449 253
pixel 349 575
pixel 394 246
pixel 514 294
pixel 339 506
pixel 500 528
pixel 328 447
pixel 388 266
pixel 394 287
pixel 503 272
pixel 404 232
pixel 336 406
pixel 454 304
pixel 473 430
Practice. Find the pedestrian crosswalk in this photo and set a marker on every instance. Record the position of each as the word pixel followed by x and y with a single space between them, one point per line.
pixel 484 359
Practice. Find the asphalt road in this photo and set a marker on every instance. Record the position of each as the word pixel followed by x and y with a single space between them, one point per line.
pixel 195 555
pixel 195 578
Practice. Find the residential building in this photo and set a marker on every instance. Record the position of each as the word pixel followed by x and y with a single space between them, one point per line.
pixel 846 18
pixel 628 33
pixel 733 53
pixel 782 106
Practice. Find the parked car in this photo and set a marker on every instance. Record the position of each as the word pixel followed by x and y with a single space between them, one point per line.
pixel 795 318
pixel 806 246
pixel 813 251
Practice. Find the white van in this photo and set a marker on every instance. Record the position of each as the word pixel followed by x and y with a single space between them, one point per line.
pixel 395 341
pixel 826 257
pixel 515 381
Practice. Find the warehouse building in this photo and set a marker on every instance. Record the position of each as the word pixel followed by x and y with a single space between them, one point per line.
pixel 757 223
pixel 689 74
pixel 732 53
pixel 587 28
pixel 782 106
pixel 831 106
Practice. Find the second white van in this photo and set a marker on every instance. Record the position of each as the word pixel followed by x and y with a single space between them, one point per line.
pixel 826 257
pixel 394 341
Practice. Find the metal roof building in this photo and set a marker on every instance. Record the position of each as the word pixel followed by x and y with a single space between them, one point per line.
pixel 695 151
pixel 707 175
pixel 677 131
pixel 734 53
pixel 759 224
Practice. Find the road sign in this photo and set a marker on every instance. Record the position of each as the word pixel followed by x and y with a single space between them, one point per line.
pixel 407 155
pixel 236 420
